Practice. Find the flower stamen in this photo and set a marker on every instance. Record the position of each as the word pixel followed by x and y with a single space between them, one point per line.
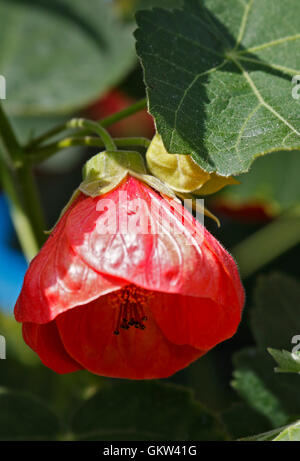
pixel 130 303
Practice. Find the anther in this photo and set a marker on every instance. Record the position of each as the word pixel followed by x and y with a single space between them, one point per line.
pixel 129 303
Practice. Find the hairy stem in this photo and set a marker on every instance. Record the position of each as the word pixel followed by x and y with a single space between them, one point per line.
pixel 139 105
pixel 22 224
pixel 105 122
pixel 19 184
pixel 42 153
pixel 94 127
pixel 268 243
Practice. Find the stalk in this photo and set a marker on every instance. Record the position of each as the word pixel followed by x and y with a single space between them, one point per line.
pixel 18 182
pixel 268 243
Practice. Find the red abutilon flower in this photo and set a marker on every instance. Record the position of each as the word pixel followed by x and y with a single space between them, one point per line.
pixel 127 304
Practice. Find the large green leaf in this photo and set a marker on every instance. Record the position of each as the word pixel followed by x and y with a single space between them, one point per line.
pixel 58 56
pixel 144 411
pixel 23 417
pixel 218 77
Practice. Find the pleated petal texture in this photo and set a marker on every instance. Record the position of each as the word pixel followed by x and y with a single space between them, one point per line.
pixel 130 252
pixel 57 279
pixel 176 255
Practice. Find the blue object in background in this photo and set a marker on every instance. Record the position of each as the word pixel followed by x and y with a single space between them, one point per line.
pixel 12 263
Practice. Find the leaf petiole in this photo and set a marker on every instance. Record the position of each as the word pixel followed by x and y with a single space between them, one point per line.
pixel 18 182
pixel 105 122
pixel 42 153
pixel 268 243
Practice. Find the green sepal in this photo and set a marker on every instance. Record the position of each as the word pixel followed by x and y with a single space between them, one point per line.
pixel 101 186
pixel 113 163
pixel 105 171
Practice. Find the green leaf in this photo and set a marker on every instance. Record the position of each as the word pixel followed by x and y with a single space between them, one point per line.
pixel 254 381
pixel 275 396
pixel 288 362
pixel 272 181
pixel 144 411
pixel 23 417
pixel 58 56
pixel 275 318
pixel 218 77
pixel 289 434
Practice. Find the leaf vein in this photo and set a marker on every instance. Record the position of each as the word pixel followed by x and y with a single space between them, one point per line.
pixel 241 34
pixel 261 99
pixel 243 127
pixel 196 78
pixel 270 44
pixel 271 65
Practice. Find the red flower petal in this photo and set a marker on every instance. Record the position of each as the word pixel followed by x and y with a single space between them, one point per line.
pixel 161 261
pixel 198 322
pixel 46 342
pixel 87 335
pixel 197 296
pixel 230 268
pixel 57 279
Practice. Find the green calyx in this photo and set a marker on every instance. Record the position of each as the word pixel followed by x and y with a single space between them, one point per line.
pixel 113 163
pixel 106 170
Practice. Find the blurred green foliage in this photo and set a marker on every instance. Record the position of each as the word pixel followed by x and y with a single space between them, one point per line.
pixel 71 56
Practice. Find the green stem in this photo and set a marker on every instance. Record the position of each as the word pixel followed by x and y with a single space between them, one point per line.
pixel 105 122
pixel 45 136
pixel 32 204
pixel 132 141
pixel 19 183
pixel 268 243
pixel 10 142
pixel 139 105
pixel 22 224
pixel 42 153
pixel 93 127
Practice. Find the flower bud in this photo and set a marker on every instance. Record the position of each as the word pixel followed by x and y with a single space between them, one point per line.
pixel 181 173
